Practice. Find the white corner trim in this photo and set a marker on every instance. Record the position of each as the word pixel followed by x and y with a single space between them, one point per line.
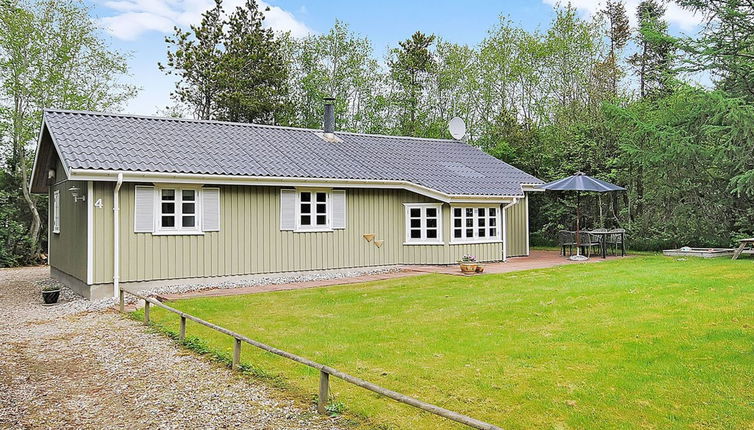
pixel 90 233
pixel 528 233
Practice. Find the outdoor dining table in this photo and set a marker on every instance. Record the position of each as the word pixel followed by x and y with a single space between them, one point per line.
pixel 603 241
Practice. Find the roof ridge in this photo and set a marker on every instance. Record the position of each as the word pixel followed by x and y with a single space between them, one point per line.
pixel 243 124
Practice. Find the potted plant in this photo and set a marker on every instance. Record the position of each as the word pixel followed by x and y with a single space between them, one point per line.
pixel 50 294
pixel 468 263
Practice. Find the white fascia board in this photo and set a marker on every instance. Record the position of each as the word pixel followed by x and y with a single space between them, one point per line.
pixel 277 181
pixel 532 188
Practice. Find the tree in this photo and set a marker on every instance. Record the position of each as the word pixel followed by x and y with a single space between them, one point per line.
pixel 618 32
pixel 410 65
pixel 252 75
pixel 194 56
pixel 337 64
pixel 230 68
pixel 725 47
pixel 656 50
pixel 51 56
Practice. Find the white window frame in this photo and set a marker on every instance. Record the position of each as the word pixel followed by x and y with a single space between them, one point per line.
pixel 56 211
pixel 178 229
pixel 423 240
pixel 497 238
pixel 328 210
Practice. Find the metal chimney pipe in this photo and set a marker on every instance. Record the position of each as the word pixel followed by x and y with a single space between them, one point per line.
pixel 329 116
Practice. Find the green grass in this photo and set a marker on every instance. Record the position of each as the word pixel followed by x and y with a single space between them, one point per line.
pixel 647 342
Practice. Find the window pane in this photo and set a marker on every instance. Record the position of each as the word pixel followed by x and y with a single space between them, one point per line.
pixel 493 211
pixel 168 221
pixel 432 222
pixel 431 212
pixel 168 208
pixel 168 194
pixel 416 223
pixel 469 233
pixel 321 197
pixel 482 232
pixel 469 222
pixel 188 208
pixel 469 212
pixel 306 220
pixel 432 233
pixel 481 222
pixel 321 220
pixel 189 195
pixel 493 232
pixel 416 234
pixel 306 197
pixel 189 221
pixel 458 222
pixel 480 211
pixel 415 213
pixel 321 208
pixel 457 233
pixel 457 212
pixel 493 222
pixel 306 208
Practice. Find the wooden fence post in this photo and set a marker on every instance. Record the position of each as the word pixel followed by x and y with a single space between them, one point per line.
pixel 236 354
pixel 146 312
pixel 324 391
pixel 182 332
pixel 122 301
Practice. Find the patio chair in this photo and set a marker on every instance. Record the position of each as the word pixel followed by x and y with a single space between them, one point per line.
pixel 566 239
pixel 615 240
pixel 587 241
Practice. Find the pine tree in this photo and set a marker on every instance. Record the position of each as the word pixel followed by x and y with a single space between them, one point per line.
pixel 410 65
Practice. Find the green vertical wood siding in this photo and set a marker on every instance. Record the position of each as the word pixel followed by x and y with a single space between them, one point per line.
pixel 250 240
pixel 516 229
pixel 67 249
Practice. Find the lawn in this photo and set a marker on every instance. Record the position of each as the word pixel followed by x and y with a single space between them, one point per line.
pixel 648 342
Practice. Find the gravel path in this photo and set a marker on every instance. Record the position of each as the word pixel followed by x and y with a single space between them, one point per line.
pixel 69 367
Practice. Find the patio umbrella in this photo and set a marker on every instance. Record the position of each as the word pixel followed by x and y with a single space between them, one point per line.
pixel 580 182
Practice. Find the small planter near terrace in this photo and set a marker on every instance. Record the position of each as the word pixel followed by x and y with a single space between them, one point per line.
pixel 50 294
pixel 468 264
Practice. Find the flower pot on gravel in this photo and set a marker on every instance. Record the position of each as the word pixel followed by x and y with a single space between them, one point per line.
pixel 51 296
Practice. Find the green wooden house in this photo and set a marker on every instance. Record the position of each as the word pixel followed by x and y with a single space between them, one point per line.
pixel 137 199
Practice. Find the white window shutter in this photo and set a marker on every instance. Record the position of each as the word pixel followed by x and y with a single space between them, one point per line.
pixel 144 209
pixel 287 209
pixel 56 212
pixel 339 209
pixel 211 209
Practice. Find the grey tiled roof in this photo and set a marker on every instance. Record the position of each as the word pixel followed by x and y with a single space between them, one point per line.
pixel 98 141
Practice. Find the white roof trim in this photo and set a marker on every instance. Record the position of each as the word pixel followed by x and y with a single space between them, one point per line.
pixel 188 178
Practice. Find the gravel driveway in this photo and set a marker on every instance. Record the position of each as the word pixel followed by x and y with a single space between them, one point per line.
pixel 66 367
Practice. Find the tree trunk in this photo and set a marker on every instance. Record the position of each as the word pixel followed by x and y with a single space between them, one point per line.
pixel 36 221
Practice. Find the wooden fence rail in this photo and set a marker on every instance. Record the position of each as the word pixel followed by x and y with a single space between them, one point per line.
pixel 324 371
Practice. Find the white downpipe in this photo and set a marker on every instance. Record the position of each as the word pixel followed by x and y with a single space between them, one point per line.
pixel 505 228
pixel 116 236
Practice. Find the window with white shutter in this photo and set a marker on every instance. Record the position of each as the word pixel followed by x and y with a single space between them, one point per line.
pixel 339 209
pixel 211 209
pixel 56 211
pixel 287 209
pixel 144 209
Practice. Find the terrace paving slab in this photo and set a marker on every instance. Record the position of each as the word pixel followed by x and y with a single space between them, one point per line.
pixel 536 260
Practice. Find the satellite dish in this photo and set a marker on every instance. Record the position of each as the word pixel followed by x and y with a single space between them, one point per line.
pixel 457 128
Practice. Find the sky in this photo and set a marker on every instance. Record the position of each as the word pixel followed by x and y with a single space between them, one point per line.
pixel 138 27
